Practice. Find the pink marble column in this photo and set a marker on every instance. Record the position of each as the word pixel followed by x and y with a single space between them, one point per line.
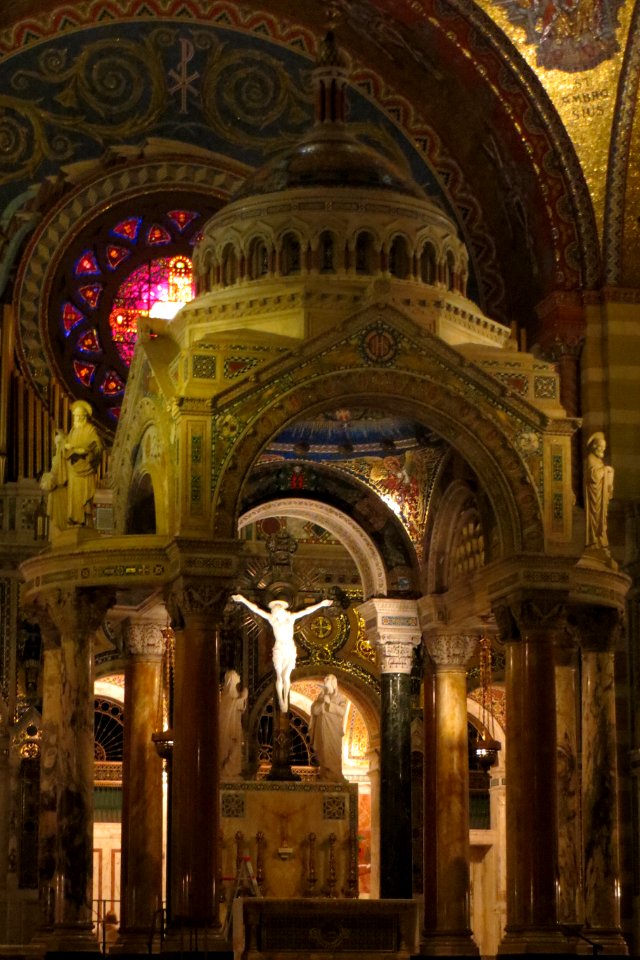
pixel 77 614
pixel 598 628
pixel 142 786
pixel 196 607
pixel 52 722
pixel 452 935
pixel 529 626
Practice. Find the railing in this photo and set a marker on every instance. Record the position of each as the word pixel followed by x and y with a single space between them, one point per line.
pixel 105 918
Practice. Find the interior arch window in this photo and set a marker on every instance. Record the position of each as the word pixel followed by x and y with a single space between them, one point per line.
pixel 428 264
pixel 229 265
pixel 450 270
pixel 291 255
pixel 399 258
pixel 327 252
pixel 258 259
pixel 365 253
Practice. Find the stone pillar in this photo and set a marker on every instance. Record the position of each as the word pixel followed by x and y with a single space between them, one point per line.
pixel 452 933
pixel 529 626
pixel 570 899
pixel 76 614
pixel 141 883
pixel 598 628
pixel 429 852
pixel 392 627
pixel 52 722
pixel 196 607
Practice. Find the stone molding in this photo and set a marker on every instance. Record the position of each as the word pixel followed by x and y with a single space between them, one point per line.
pixel 144 640
pixel 393 628
pixel 78 612
pixel 451 650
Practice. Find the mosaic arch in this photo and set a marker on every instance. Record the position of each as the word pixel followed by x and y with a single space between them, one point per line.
pixel 469 424
pixel 360 547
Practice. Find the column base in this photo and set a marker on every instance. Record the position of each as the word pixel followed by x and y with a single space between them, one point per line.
pixel 536 942
pixel 448 944
pixel 66 938
pixel 610 942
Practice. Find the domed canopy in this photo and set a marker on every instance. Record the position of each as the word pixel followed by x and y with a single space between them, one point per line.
pixel 329 156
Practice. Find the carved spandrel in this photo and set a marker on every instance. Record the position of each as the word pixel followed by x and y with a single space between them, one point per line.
pixel 451 650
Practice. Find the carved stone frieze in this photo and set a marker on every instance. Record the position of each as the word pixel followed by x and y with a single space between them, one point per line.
pixel 451 650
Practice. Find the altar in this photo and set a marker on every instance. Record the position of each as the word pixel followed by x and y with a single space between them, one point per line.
pixel 295 839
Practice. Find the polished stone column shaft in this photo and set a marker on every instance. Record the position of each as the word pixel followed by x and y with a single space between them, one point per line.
pixel 51 725
pixel 570 891
pixel 531 770
pixel 195 770
pixel 598 628
pixel 392 626
pixel 77 615
pixel 452 934
pixel 142 786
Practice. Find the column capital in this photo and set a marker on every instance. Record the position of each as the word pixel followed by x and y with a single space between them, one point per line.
pixel 451 651
pixel 77 611
pixel 393 628
pixel 144 639
pixel 528 615
pixel 598 628
pixel 196 598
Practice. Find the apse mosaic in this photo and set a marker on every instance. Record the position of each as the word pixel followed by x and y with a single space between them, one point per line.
pixel 133 266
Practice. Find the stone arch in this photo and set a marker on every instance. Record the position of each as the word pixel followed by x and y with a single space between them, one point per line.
pixel 471 428
pixel 444 528
pixel 360 546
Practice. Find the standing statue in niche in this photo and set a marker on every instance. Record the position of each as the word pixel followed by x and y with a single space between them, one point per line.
pixel 233 703
pixel 598 490
pixel 284 648
pixel 71 481
pixel 326 729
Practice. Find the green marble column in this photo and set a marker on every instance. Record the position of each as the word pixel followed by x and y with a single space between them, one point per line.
pixel 392 626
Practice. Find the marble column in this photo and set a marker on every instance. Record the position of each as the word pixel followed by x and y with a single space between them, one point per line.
pixel 598 628
pixel 452 934
pixel 196 607
pixel 529 626
pixel 429 788
pixel 76 614
pixel 141 884
pixel 392 627
pixel 570 893
pixel 52 722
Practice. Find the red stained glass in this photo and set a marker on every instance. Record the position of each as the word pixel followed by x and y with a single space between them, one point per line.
pixel 115 412
pixel 157 235
pixel 116 255
pixel 156 289
pixel 71 317
pixel 112 384
pixel 91 294
pixel 89 342
pixel 182 218
pixel 84 372
pixel 86 264
pixel 128 229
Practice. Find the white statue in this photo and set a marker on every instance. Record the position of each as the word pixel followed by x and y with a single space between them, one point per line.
pixel 71 481
pixel 326 729
pixel 284 648
pixel 233 703
pixel 598 490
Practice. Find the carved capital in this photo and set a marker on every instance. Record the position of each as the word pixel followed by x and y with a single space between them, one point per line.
pixel 531 615
pixel 191 599
pixel 78 612
pixel 392 627
pixel 451 651
pixel 598 628
pixel 144 639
